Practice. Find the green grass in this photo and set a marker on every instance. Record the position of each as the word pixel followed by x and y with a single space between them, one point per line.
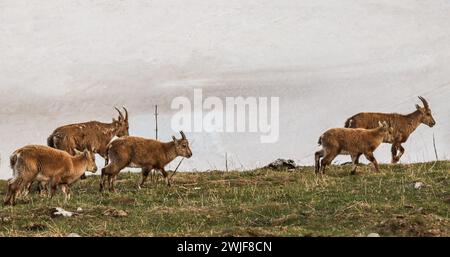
pixel 255 203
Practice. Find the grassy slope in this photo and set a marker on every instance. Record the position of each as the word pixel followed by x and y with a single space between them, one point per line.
pixel 255 203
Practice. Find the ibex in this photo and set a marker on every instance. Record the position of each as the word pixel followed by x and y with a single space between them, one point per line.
pixel 138 152
pixel 93 135
pixel 351 141
pixel 403 125
pixel 47 165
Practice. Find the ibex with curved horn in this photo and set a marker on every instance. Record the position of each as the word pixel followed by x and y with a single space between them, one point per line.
pixel 93 135
pixel 403 125
pixel 138 152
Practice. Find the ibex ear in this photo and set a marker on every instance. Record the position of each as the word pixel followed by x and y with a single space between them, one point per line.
pixel 380 124
pixel 86 153
pixel 174 139
pixel 421 109
pixel 77 152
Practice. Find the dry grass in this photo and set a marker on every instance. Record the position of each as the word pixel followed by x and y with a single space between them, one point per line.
pixel 255 203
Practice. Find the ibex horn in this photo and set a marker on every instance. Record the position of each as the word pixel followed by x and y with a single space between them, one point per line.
pixel 120 113
pixel 182 135
pixel 425 103
pixel 126 112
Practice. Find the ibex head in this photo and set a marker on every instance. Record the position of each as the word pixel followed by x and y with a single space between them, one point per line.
pixel 90 159
pixel 182 146
pixel 427 118
pixel 122 123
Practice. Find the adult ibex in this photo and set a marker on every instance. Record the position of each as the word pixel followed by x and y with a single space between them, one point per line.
pixel 351 141
pixel 138 152
pixel 48 165
pixel 93 135
pixel 403 125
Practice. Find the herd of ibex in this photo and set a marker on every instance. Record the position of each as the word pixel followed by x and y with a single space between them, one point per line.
pixel 71 150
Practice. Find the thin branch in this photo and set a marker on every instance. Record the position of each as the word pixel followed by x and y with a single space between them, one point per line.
pixel 226 162
pixel 156 121
pixel 435 151
pixel 176 168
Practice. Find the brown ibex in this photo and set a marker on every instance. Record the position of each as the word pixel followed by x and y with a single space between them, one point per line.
pixel 353 142
pixel 47 165
pixel 138 152
pixel 92 135
pixel 403 125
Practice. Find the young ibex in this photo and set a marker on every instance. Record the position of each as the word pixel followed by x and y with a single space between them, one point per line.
pixel 138 152
pixel 351 141
pixel 403 125
pixel 47 165
pixel 94 136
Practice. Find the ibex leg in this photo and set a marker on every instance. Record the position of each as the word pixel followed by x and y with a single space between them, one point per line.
pixel 372 159
pixel 318 155
pixel 145 172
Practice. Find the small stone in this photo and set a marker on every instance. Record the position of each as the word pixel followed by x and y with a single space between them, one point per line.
pixel 282 164
pixel 79 209
pixel 5 219
pixel 418 185
pixel 73 235
pixel 60 212
pixel 373 235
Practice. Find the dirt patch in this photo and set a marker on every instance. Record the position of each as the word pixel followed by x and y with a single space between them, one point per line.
pixel 115 213
pixel 35 227
pixel 447 200
pixel 415 225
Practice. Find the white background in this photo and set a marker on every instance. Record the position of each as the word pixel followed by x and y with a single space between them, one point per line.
pixel 70 61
